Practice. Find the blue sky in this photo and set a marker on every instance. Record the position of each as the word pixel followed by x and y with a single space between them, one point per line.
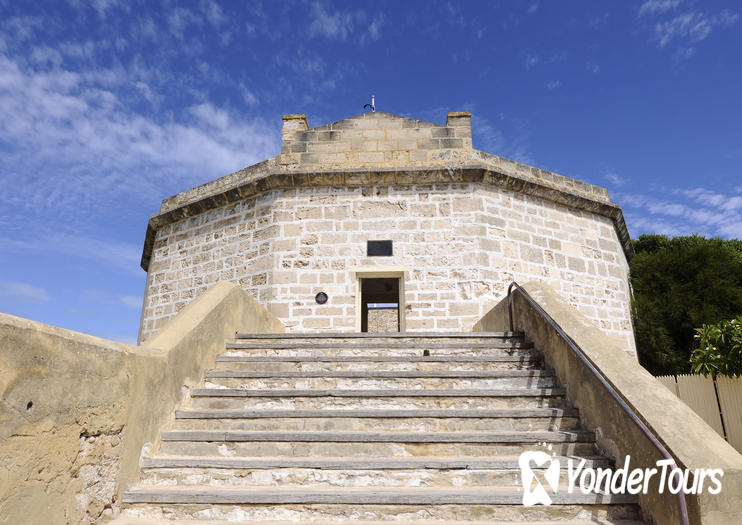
pixel 108 106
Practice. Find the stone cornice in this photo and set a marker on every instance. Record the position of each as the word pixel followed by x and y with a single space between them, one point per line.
pixel 474 173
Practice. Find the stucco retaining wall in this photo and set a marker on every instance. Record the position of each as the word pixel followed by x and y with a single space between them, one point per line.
pixel 686 436
pixel 75 410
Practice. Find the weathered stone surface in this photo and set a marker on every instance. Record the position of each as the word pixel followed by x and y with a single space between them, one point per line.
pixel 383 320
pixel 687 438
pixel 369 445
pixel 76 410
pixel 463 242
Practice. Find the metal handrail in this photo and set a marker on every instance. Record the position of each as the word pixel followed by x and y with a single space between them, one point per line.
pixel 682 508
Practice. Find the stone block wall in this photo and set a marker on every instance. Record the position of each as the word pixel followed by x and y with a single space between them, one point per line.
pixel 463 243
pixel 371 139
pixel 383 320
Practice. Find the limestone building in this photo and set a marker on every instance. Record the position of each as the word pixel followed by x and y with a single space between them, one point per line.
pixel 382 210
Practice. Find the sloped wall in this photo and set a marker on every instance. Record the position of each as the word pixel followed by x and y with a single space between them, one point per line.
pixel 75 410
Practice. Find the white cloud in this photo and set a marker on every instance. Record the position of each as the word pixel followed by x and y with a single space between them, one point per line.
pixel 554 84
pixel 654 7
pixel 640 224
pixel 22 28
pixel 593 68
pixel 77 122
pixel 336 24
pixel 697 210
pixel 179 20
pixel 23 293
pixel 515 144
pixel 599 21
pixel 533 7
pixel 614 178
pixel 558 57
pixel 103 6
pixel 213 13
pixel 684 54
pixel 685 28
pixel 374 28
pixel 248 96
pixel 717 200
pixel 131 301
pixel 46 55
pixel 302 62
pixel 692 27
pixel 117 255
pixel 531 61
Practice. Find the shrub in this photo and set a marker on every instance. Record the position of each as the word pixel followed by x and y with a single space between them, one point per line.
pixel 719 349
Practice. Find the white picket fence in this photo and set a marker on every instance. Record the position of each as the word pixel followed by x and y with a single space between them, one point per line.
pixel 698 393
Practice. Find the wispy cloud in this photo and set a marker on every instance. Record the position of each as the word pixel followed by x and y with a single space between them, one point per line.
pixel 593 68
pixel 531 61
pixel 509 138
pixel 598 22
pixel 691 27
pixel 106 297
pixel 131 301
pixel 24 293
pixel 717 200
pixel 668 24
pixel 614 178
pixel 554 84
pixel 697 210
pixel 116 255
pixel 329 23
pixel 561 56
pixel 654 7
pixel 77 121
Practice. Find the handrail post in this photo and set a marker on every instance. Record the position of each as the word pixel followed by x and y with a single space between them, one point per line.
pixel 510 305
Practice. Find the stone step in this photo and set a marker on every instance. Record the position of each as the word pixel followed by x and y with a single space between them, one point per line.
pixel 494 478
pixel 257 414
pixel 501 472
pixel 420 344
pixel 379 383
pixel 352 463
pixel 375 374
pixel 392 336
pixel 444 393
pixel 382 424
pixel 404 365
pixel 402 351
pixel 359 496
pixel 382 420
pixel 369 449
pixel 444 514
pixel 595 520
pixel 381 437
pixel 504 357
pixel 230 399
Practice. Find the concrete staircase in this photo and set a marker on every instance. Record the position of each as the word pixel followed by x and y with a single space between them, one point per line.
pixel 402 428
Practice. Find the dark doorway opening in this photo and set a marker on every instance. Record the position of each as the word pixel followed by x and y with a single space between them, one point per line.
pixel 380 304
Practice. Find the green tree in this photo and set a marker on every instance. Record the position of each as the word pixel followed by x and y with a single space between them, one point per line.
pixel 679 284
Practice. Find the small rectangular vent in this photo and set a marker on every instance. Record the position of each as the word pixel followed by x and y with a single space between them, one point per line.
pixel 379 249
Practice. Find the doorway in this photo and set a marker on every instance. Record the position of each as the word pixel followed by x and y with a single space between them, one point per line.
pixel 380 305
pixel 394 276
